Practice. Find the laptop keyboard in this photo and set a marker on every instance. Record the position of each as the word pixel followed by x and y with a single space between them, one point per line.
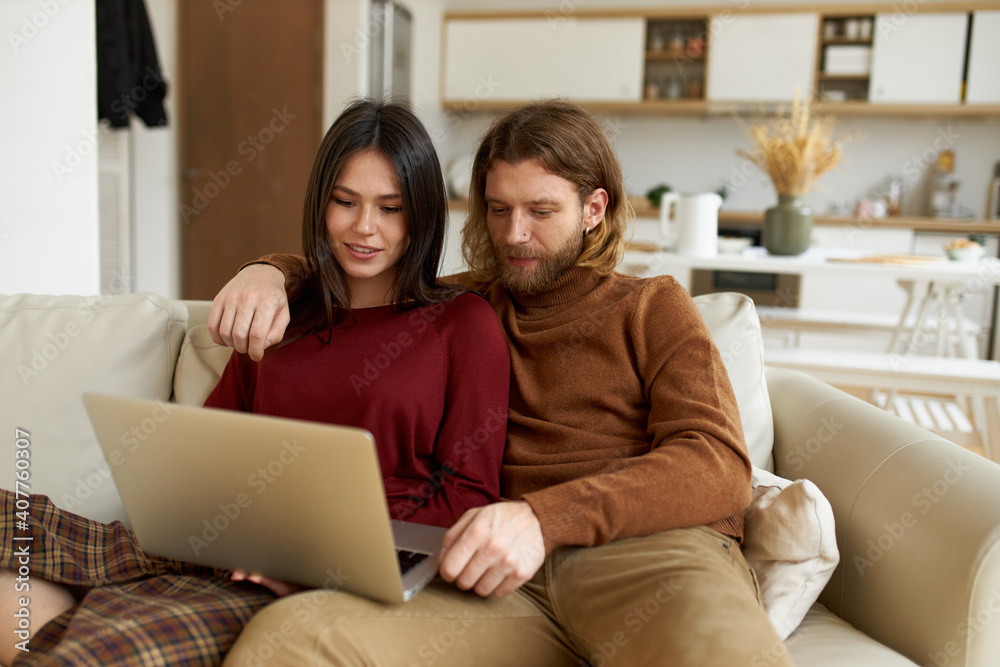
pixel 409 559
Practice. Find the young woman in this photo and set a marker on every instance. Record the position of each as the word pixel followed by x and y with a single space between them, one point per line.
pixel 376 342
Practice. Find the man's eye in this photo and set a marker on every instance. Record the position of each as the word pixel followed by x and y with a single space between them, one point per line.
pixel 497 210
pixel 543 214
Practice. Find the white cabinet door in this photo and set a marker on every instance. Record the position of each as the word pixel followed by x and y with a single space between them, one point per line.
pixel 983 85
pixel 918 58
pixel 523 59
pixel 761 58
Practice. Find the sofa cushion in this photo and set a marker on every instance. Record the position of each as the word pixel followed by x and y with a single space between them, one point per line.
pixel 790 541
pixel 824 640
pixel 58 347
pixel 732 321
pixel 199 366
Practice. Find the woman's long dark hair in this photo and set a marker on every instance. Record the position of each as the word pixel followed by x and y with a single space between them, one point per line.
pixel 392 129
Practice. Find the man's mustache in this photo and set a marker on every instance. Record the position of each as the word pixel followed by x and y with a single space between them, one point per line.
pixel 517 252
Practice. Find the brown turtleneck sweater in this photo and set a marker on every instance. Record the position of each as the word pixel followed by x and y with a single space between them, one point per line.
pixel 622 418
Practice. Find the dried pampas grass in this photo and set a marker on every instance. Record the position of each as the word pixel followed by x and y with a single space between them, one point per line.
pixel 795 150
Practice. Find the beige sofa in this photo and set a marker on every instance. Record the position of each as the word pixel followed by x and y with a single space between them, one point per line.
pixel 918 518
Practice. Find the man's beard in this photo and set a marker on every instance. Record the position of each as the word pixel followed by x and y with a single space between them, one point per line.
pixel 538 278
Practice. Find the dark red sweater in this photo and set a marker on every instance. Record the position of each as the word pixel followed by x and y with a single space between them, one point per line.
pixel 431 384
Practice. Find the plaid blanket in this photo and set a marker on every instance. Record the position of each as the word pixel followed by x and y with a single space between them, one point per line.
pixel 136 609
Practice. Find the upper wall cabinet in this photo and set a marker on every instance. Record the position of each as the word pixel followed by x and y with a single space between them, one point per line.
pixel 983 85
pixel 589 60
pixel 918 58
pixel 762 57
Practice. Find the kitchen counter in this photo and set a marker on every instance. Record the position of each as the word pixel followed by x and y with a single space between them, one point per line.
pixel 752 219
pixel 916 223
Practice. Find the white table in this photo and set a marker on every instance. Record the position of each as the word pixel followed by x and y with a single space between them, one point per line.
pixel 817 261
pixel 956 276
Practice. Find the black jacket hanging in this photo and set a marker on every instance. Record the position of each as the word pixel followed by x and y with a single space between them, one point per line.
pixel 128 72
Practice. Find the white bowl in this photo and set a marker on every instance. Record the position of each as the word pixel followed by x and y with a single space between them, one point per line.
pixel 969 254
pixel 732 245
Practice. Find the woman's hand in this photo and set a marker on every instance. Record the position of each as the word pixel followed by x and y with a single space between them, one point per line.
pixel 251 312
pixel 276 586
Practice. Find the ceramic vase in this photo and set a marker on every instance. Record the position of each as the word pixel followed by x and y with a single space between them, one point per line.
pixel 788 226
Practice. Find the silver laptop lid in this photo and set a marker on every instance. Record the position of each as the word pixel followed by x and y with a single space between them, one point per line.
pixel 294 500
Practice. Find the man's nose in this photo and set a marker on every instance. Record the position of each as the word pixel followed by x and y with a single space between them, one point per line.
pixel 517 229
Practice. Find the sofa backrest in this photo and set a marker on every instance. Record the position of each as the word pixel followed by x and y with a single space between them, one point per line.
pixel 56 348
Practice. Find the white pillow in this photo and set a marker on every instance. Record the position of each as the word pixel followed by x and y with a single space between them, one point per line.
pixel 199 366
pixel 732 322
pixel 789 540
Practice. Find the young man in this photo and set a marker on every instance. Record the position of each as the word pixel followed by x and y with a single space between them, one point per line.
pixel 626 472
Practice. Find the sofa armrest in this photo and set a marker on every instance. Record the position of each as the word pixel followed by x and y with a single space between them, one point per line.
pixel 918 522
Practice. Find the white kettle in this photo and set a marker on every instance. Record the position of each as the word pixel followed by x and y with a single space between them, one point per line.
pixel 691 221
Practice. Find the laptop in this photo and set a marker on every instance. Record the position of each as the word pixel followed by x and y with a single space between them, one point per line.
pixel 291 499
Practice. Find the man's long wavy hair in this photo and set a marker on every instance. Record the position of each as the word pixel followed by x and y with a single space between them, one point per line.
pixel 568 142
pixel 393 130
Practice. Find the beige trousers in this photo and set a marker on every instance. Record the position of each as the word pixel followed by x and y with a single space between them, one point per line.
pixel 681 598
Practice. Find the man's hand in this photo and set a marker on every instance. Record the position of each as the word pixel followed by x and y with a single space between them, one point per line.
pixel 493 549
pixel 251 311
pixel 276 586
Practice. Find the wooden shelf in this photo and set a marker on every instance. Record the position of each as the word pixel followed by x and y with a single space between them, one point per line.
pixel 658 56
pixel 845 40
pixel 643 209
pixel 702 107
pixel 845 77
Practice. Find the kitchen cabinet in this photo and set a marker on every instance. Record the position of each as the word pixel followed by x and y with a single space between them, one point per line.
pixel 877 60
pixel 761 57
pixel 845 58
pixel 518 59
pixel 918 58
pixel 983 83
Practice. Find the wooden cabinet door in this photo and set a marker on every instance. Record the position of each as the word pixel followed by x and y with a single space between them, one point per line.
pixel 983 84
pixel 918 58
pixel 762 58
pixel 587 60
pixel 250 123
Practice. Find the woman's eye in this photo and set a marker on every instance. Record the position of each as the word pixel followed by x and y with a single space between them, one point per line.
pixel 392 209
pixel 344 202
pixel 496 210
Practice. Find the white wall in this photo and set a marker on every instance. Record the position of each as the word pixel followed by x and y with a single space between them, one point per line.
pixel 155 218
pixel 48 131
